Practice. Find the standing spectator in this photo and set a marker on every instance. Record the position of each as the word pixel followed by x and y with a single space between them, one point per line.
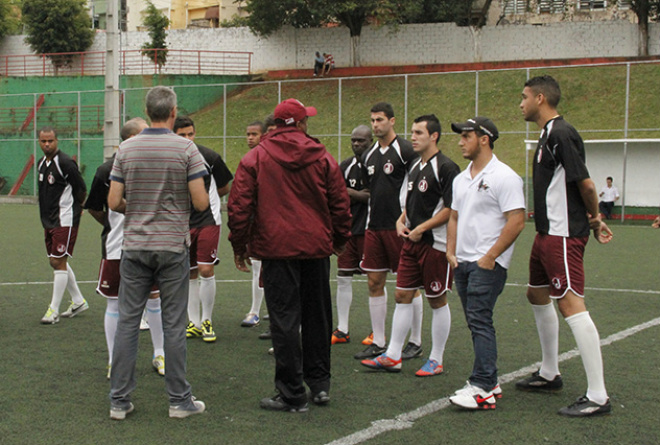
pixel 348 263
pixel 204 238
pixel 328 63
pixel 290 206
pixel 610 195
pixel 159 173
pixel 61 195
pixel 385 166
pixel 423 262
pixel 487 215
pixel 318 64
pixel 565 209
pixel 111 239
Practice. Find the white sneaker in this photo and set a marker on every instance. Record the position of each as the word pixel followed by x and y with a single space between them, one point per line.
pixel 473 397
pixel 144 326
pixel 180 412
pixel 159 364
pixel 75 309
pixel 50 317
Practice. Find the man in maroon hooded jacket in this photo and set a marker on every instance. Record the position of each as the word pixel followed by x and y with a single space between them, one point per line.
pixel 290 205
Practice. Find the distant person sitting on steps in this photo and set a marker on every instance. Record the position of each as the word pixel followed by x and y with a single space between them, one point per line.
pixel 609 195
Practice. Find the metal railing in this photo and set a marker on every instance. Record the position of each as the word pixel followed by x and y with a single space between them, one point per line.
pixel 132 62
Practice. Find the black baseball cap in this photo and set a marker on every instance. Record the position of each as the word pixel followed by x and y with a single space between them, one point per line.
pixel 482 124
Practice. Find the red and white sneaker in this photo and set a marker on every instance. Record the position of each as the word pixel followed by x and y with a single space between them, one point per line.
pixel 430 368
pixel 473 397
pixel 497 391
pixel 383 362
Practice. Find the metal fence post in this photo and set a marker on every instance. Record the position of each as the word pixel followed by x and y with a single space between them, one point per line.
pixel 34 145
pixel 625 145
pixel 476 93
pixel 339 120
pixel 405 106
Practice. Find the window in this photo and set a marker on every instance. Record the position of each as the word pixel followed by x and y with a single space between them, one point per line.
pixel 514 6
pixel 591 5
pixel 624 4
pixel 552 6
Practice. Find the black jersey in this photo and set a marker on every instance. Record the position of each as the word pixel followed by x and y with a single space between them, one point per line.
pixel 385 170
pixel 61 191
pixel 559 164
pixel 351 168
pixel 218 177
pixel 112 235
pixel 430 191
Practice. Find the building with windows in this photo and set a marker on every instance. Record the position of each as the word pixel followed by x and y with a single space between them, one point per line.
pixel 550 11
pixel 183 14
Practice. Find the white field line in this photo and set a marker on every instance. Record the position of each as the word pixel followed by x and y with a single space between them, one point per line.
pixel 406 420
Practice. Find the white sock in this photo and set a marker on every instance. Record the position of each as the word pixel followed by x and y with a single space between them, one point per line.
pixel 378 312
pixel 418 312
pixel 194 303
pixel 155 320
pixel 257 292
pixel 440 327
pixel 207 295
pixel 401 322
pixel 72 286
pixel 588 343
pixel 344 300
pixel 60 279
pixel 110 324
pixel 547 325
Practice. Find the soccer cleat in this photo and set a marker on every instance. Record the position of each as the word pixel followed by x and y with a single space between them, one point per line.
pixel 144 326
pixel 188 409
pixel 51 317
pixel 369 339
pixel 537 383
pixel 208 335
pixel 383 362
pixel 340 337
pixel 109 369
pixel 430 368
pixel 118 413
pixel 321 398
pixel 266 335
pixel 497 391
pixel 277 403
pixel 159 364
pixel 75 309
pixel 271 351
pixel 473 397
pixel 584 407
pixel 251 320
pixel 411 351
pixel 370 351
pixel 193 331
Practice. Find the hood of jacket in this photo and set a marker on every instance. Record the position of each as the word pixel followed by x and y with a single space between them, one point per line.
pixel 292 148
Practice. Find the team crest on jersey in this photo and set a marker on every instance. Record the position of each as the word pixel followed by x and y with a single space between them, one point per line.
pixel 61 248
pixel 105 285
pixel 388 168
pixel 51 179
pixel 371 170
pixel 214 254
pixel 556 283
pixel 436 287
pixel 423 185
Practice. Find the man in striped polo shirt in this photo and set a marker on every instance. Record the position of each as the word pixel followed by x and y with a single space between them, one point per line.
pixel 154 178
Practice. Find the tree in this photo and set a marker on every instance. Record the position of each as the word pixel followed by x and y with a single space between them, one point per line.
pixel 10 22
pixel 646 10
pixel 57 26
pixel 157 23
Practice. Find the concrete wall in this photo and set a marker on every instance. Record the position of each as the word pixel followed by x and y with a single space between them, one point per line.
pixel 408 45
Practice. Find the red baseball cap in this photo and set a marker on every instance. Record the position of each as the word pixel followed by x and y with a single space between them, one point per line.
pixel 292 111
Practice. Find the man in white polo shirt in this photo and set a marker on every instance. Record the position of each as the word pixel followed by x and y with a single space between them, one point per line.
pixel 487 215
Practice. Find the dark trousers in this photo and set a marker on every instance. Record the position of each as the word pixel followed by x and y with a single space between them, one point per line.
pixel 300 308
pixel 606 208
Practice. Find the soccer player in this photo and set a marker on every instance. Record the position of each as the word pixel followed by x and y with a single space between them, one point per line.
pixel 153 180
pixel 423 263
pixel 204 238
pixel 385 166
pixel 348 263
pixel 253 133
pixel 62 192
pixel 112 237
pixel 290 206
pixel 565 209
pixel 487 215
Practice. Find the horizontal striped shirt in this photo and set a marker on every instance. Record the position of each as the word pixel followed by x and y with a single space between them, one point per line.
pixel 155 168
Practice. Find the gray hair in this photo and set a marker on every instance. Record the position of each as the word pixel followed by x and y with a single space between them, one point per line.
pixel 160 102
pixel 132 127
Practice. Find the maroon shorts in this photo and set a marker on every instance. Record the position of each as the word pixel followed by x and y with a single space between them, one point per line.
pixel 381 251
pixel 60 241
pixel 108 285
pixel 349 260
pixel 422 266
pixel 557 262
pixel 204 245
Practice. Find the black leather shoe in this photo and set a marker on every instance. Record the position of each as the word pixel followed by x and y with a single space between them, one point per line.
pixel 278 404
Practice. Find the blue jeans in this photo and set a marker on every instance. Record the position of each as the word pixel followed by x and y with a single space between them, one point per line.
pixel 479 289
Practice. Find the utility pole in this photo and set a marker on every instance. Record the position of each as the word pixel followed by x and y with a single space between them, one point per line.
pixel 112 121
